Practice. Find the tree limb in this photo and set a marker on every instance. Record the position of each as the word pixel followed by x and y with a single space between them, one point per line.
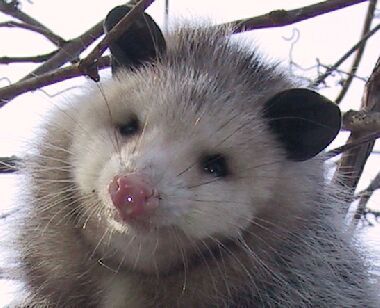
pixel 361 121
pixel 354 160
pixel 9 92
pixel 280 18
pixel 88 65
pixel 11 8
pixel 70 51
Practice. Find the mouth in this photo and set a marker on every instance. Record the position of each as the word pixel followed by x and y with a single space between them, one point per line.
pixel 141 226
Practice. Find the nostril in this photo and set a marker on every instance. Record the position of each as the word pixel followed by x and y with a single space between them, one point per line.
pixel 113 186
pixel 133 195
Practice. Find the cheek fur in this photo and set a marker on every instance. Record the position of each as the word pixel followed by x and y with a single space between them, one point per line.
pixel 218 210
pixel 88 164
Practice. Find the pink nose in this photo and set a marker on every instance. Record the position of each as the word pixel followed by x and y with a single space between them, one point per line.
pixel 133 196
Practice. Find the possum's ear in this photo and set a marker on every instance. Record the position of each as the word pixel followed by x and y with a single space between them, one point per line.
pixel 141 42
pixel 304 121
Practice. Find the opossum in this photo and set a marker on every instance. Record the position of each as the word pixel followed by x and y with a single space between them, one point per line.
pixel 194 177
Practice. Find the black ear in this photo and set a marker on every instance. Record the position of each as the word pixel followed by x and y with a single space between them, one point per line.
pixel 304 122
pixel 142 41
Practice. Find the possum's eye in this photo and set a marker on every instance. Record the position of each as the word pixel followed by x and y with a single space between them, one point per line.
pixel 130 128
pixel 215 165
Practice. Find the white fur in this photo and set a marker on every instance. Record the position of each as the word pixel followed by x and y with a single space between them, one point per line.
pixel 262 235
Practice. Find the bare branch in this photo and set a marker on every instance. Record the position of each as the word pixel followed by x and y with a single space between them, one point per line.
pixel 88 64
pixel 33 59
pixel 364 198
pixel 361 121
pixel 342 72
pixel 359 52
pixel 353 145
pixel 354 160
pixel 9 92
pixel 332 68
pixel 280 18
pixel 11 8
pixel 8 164
pixel 69 51
pixel 45 32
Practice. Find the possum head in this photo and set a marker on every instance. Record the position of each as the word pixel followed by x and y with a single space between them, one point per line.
pixel 184 146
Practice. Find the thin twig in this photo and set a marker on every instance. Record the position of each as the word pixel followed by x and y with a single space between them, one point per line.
pixel 34 83
pixel 45 32
pixel 88 64
pixel 11 8
pixel 8 164
pixel 359 52
pixel 342 72
pixel 33 59
pixel 364 198
pixel 332 68
pixel 352 145
pixel 280 18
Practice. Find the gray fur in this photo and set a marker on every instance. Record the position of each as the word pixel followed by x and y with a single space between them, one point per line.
pixel 291 253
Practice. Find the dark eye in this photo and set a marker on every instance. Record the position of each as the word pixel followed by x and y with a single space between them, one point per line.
pixel 215 165
pixel 130 128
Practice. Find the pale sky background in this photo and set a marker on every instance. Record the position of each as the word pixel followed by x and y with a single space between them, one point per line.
pixel 326 37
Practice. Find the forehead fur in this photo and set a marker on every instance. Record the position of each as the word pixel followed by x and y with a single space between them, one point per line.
pixel 205 85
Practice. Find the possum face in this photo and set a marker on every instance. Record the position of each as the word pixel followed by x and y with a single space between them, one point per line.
pixel 164 174
pixel 176 157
